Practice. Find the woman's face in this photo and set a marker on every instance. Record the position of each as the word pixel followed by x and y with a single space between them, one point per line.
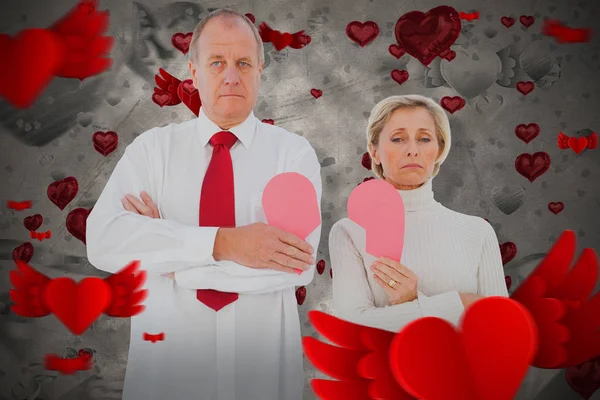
pixel 407 148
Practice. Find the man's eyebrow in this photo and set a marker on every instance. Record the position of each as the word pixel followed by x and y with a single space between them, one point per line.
pixel 221 57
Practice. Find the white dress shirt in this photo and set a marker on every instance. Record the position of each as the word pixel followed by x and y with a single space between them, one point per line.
pixel 250 349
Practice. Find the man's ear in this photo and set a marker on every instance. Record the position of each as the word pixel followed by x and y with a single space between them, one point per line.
pixel 192 69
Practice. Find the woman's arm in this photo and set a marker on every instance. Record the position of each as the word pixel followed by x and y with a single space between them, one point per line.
pixel 490 274
pixel 353 298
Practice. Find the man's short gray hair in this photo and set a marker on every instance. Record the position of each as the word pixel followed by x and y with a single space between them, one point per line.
pixel 226 13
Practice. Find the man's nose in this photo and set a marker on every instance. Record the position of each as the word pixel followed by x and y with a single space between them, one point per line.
pixel 231 75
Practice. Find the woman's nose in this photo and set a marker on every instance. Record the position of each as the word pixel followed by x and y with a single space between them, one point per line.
pixel 411 149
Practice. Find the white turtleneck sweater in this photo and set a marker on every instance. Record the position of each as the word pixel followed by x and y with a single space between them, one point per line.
pixel 450 253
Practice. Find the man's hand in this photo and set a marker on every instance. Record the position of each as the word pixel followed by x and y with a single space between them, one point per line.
pixel 259 245
pixel 399 282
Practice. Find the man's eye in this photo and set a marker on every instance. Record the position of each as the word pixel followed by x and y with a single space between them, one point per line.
pixel 244 63
pixel 215 62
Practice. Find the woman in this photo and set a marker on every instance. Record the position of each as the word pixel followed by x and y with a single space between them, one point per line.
pixel 449 259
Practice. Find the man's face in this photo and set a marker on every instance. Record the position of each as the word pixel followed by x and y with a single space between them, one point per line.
pixel 226 70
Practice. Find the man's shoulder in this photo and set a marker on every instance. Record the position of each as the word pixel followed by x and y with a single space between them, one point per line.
pixel 163 133
pixel 282 137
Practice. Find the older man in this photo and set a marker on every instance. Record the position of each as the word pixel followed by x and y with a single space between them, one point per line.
pixel 221 282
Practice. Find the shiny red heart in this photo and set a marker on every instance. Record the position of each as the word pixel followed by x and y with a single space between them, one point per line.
pixel 452 104
pixel 448 55
pixel 578 144
pixel 181 41
pixel 507 21
pixel 281 40
pixel 366 160
pixel 251 17
pixel 161 97
pixel 556 206
pixel 508 251
pixel 399 76
pixel 525 87
pixel 362 33
pixel 268 121
pixel 532 166
pixel 29 62
pixel 23 252
pixel 487 359
pixel 190 96
pixel 425 35
pixel 316 93
pixel 585 378
pixel 63 192
pixel 300 295
pixel 77 306
pixel 105 142
pixel 321 267
pixel 33 222
pixel 76 222
pixel 396 50
pixel 527 132
pixel 527 20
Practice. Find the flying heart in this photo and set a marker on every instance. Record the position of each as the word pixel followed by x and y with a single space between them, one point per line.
pixel 77 305
pixel 577 144
pixel 18 205
pixel 171 91
pixel 281 40
pixel 565 34
pixel 67 366
pixel 40 235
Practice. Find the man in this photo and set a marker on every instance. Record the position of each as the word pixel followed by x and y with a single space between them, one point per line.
pixel 221 282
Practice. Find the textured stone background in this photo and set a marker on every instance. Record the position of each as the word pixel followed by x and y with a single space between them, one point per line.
pixel 52 140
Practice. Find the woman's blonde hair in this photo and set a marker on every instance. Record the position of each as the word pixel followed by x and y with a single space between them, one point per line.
pixel 382 112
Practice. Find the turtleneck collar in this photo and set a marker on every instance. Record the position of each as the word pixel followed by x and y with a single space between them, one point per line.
pixel 420 198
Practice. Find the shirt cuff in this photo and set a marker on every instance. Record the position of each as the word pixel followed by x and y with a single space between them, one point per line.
pixel 199 243
pixel 447 306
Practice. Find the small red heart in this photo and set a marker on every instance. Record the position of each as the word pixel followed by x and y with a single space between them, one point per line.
pixel 268 121
pixel 76 222
pixel 105 142
pixel 190 96
pixel 448 55
pixel 578 144
pixel 556 207
pixel 304 39
pixel 316 93
pixel 527 132
pixel 300 295
pixel 508 251
pixel 532 166
pixel 396 50
pixel 487 359
pixel 362 33
pixel 63 192
pixel 366 160
pixel 452 104
pixel 33 222
pixel 251 17
pixel 527 20
pixel 23 252
pixel 508 281
pixel 161 97
pixel 399 76
pixel 85 354
pixel 31 60
pixel 585 378
pixel 525 87
pixel 507 21
pixel 321 267
pixel 281 40
pixel 181 41
pixel 77 306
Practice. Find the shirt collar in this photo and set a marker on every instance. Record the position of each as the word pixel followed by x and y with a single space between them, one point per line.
pixel 244 131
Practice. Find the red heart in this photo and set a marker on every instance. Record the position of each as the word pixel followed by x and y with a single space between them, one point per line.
pixel 452 104
pixel 527 20
pixel 396 50
pixel 23 252
pixel 525 87
pixel 105 142
pixel 578 144
pixel 189 95
pixel 304 39
pixel 399 76
pixel 362 33
pixel 33 222
pixel 316 93
pixel 77 306
pixel 487 359
pixel 76 222
pixel 161 97
pixel 527 132
pixel 268 121
pixel 508 251
pixel 250 17
pixel 507 21
pixel 30 61
pixel 585 378
pixel 508 281
pixel 321 267
pixel 425 35
pixel 63 192
pixel 532 166
pixel 181 41
pixel 366 160
pixel 281 40
pixel 448 54
pixel 300 295
pixel 556 207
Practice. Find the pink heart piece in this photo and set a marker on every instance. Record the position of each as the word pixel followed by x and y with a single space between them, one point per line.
pixel 377 206
pixel 290 203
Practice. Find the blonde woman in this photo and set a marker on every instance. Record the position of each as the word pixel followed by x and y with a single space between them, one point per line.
pixel 449 259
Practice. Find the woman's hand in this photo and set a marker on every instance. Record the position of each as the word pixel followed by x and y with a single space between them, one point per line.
pixel 399 282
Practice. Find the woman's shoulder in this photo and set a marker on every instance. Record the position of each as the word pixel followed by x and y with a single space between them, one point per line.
pixel 347 229
pixel 468 221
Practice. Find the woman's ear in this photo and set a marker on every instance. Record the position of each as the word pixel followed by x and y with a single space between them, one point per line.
pixel 373 153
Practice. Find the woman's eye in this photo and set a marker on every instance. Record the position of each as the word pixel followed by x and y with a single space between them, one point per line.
pixel 426 139
pixel 396 139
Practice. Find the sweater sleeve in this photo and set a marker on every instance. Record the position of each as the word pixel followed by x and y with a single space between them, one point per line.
pixel 353 298
pixel 490 274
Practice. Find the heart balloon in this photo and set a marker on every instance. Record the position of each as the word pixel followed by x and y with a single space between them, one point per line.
pixel 473 71
pixel 378 207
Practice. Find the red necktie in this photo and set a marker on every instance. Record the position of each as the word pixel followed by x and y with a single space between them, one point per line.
pixel 217 205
